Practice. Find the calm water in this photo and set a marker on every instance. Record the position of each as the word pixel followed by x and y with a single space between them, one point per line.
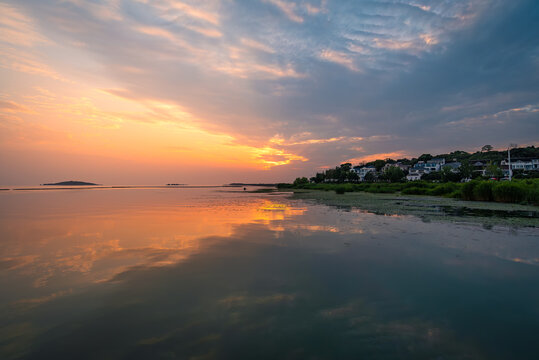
pixel 223 274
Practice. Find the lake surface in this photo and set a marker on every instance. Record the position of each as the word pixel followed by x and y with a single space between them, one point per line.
pixel 218 273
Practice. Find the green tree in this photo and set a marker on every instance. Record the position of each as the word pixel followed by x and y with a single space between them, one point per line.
pixel 318 178
pixel 433 176
pixel 379 164
pixel 370 176
pixel 353 177
pixel 449 176
pixel 466 170
pixel 424 157
pixel 493 170
pixel 393 174
pixel 346 167
pixel 330 175
pixel 301 181
pixel 486 148
pixel 405 161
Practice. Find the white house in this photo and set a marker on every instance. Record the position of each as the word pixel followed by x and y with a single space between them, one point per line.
pixel 416 173
pixel 454 166
pixel 397 164
pixel 414 176
pixel 434 164
pixel 362 171
pixel 480 167
pixel 519 164
pixel 522 164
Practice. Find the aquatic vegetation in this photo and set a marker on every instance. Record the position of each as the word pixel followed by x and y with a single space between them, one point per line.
pixel 447 208
pixel 516 191
pixel 483 191
pixel 509 192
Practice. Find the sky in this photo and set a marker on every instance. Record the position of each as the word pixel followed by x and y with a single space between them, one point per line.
pixel 218 91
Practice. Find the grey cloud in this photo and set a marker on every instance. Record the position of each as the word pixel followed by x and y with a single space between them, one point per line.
pixel 482 59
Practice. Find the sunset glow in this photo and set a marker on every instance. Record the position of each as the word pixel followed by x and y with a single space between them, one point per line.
pixel 213 92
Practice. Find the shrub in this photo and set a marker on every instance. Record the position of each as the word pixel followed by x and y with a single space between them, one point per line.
pixel 483 191
pixel 301 181
pixel 468 189
pixel 417 184
pixel 380 189
pixel 340 189
pixel 533 196
pixel 414 191
pixel 443 189
pixel 509 192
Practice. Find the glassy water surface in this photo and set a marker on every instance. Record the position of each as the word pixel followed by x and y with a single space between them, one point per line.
pixel 223 274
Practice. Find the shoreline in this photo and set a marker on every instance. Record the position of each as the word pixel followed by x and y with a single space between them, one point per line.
pixel 429 208
pixel 98 187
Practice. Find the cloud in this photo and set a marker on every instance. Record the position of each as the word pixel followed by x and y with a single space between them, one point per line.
pixel 257 45
pixel 340 58
pixel 379 156
pixel 18 29
pixel 172 9
pixel 288 8
pixel 335 80
pixel 13 107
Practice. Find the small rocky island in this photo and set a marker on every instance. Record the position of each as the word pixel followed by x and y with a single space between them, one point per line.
pixel 70 183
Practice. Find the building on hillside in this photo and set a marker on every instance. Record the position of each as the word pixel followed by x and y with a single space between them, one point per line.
pixel 454 166
pixel 420 165
pixel 434 164
pixel 415 174
pixel 479 167
pixel 519 164
pixel 401 166
pixel 361 171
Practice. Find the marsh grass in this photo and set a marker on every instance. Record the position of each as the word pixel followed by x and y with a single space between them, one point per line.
pixel 517 191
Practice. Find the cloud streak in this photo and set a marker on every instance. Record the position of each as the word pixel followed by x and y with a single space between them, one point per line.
pixel 295 84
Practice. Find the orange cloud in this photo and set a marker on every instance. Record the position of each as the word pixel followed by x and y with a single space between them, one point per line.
pixel 18 29
pixel 274 157
pixel 13 107
pixel 338 58
pixel 379 156
pixel 209 32
pixel 281 141
pixel 25 62
pixel 105 122
pixel 288 8
pixel 392 44
pixel 195 12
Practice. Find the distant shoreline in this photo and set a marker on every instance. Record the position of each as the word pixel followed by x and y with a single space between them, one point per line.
pixel 244 184
pixel 49 187
pixel 104 187
pixel 71 183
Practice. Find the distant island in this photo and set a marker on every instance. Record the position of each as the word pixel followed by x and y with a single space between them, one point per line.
pixel 70 183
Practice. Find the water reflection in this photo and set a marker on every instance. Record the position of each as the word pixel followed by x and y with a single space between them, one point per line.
pixel 69 239
pixel 205 274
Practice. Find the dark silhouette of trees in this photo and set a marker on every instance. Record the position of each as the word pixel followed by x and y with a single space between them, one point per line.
pixel 424 157
pixel 393 174
pixel 379 164
pixel 370 176
pixel 301 181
